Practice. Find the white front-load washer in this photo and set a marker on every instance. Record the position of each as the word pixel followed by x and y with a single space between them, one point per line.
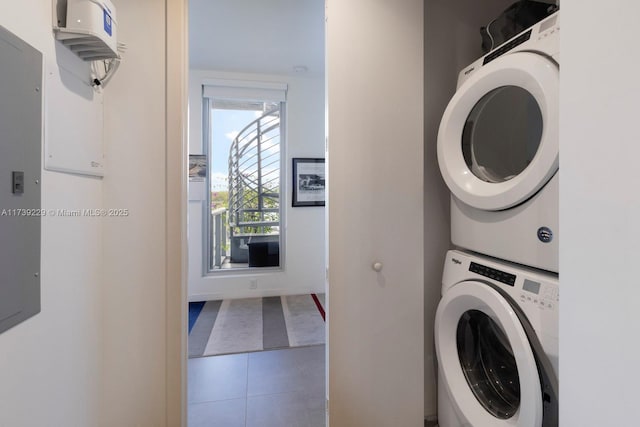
pixel 498 150
pixel 496 337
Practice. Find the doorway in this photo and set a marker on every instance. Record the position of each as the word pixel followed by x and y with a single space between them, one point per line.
pixel 259 47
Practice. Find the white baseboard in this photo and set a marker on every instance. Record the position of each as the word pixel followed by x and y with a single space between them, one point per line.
pixel 251 293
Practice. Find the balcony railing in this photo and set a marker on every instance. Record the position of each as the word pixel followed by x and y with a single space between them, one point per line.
pixel 254 176
pixel 219 237
pixel 254 190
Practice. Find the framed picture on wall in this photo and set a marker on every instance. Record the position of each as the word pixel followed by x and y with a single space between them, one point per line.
pixel 308 182
pixel 197 167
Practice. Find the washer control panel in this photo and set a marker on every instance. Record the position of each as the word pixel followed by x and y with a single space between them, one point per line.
pixel 527 290
pixel 492 273
pixel 542 295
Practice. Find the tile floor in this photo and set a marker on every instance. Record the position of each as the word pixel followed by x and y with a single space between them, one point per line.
pixel 279 388
pixel 276 388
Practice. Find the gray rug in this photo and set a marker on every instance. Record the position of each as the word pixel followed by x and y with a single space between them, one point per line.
pixel 256 324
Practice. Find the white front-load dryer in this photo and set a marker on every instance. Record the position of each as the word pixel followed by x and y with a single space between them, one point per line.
pixel 498 150
pixel 496 337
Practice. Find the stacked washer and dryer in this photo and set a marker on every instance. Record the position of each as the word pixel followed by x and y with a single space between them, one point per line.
pixel 496 326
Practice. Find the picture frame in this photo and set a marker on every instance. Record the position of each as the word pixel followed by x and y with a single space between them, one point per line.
pixel 308 182
pixel 197 167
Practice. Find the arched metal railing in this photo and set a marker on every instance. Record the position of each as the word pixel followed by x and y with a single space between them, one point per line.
pixel 254 177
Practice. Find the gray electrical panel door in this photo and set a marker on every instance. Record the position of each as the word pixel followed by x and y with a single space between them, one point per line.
pixel 20 169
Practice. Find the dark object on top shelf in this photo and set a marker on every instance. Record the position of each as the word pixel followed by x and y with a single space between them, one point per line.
pixel 515 19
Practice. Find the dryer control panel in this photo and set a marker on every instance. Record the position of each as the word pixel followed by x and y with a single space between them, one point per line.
pixel 506 47
pixel 543 38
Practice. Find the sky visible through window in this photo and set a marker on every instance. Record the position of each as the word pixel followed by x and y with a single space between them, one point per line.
pixel 225 125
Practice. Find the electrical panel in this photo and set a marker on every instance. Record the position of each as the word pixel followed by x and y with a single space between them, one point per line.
pixel 21 72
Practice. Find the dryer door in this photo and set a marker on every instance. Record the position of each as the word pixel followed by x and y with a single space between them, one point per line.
pixel 485 359
pixel 498 138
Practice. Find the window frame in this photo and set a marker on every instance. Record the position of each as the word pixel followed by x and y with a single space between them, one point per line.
pixel 242 90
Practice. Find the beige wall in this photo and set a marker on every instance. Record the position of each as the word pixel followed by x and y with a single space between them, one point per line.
pixel 375 140
pixel 50 365
pixel 97 353
pixel 134 295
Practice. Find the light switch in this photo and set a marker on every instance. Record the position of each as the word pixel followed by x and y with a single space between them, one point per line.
pixel 18 182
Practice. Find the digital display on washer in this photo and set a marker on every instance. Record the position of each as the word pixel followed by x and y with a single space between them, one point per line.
pixel 492 273
pixel 507 47
pixel 531 286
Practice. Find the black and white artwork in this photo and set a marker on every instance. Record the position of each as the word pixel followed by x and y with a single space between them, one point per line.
pixel 308 182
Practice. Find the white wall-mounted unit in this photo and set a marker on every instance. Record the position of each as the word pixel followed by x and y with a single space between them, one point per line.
pixel 91 29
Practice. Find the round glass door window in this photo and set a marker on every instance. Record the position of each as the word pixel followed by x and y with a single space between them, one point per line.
pixel 488 364
pixel 502 134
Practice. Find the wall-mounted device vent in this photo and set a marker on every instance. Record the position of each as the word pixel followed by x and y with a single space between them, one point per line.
pixel 90 29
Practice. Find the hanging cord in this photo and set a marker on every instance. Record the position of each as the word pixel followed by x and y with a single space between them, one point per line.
pixel 103 71
pixel 489 33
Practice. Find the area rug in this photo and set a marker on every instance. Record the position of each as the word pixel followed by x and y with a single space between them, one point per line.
pixel 255 324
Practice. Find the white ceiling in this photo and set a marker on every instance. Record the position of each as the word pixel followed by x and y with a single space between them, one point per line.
pixel 257 36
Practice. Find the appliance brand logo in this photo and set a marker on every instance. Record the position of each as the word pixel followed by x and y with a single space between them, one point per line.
pixel 456 261
pixel 466 73
pixel 545 235
pixel 108 23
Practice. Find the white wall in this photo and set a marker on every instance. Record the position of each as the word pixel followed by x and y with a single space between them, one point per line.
pixel 599 214
pixel 50 365
pixel 303 227
pixel 452 41
pixel 134 295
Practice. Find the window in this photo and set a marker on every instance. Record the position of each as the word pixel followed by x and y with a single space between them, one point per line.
pixel 244 136
pixel 495 149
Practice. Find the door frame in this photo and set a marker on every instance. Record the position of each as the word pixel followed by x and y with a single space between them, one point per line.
pixel 176 39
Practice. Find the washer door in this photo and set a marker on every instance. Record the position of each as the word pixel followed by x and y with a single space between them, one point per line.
pixel 485 359
pixel 498 138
